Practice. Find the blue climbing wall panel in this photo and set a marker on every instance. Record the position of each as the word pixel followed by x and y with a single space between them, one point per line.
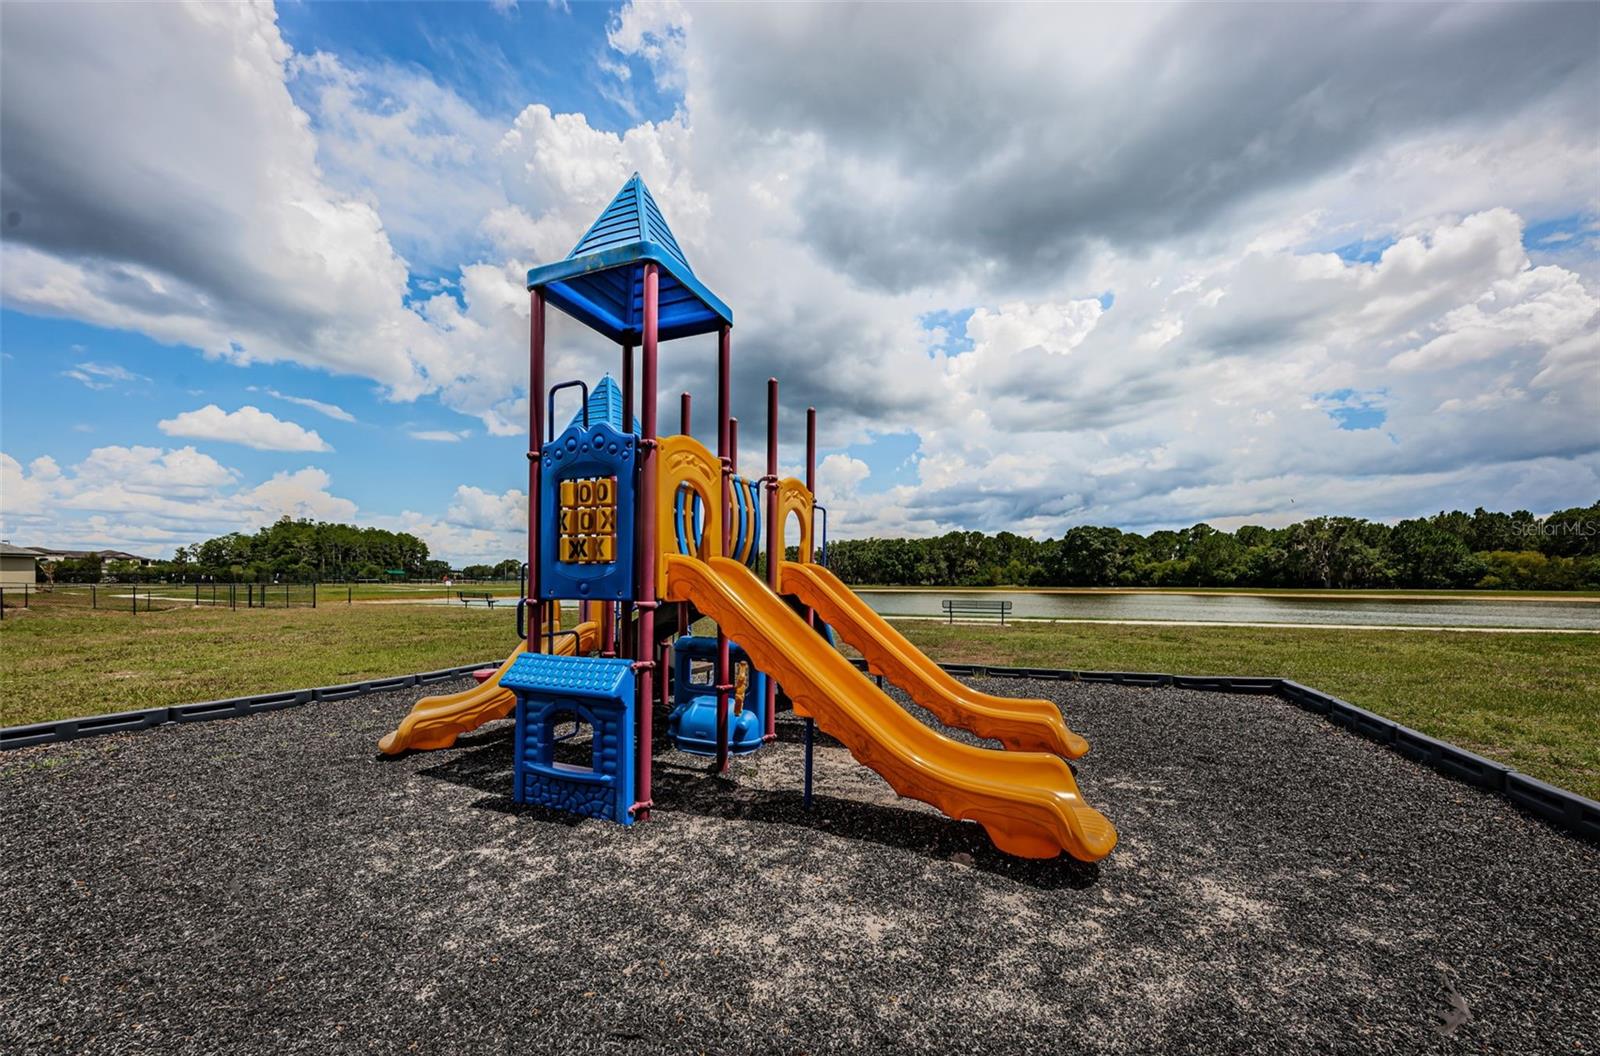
pixel 555 693
pixel 587 504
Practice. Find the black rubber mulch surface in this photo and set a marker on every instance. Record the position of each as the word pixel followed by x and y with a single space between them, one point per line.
pixel 272 885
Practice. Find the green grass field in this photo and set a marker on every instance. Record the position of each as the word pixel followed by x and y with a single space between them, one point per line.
pixel 120 595
pixel 64 662
pixel 1529 700
pixel 1322 594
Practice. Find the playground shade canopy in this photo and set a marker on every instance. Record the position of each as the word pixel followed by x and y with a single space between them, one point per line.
pixel 601 282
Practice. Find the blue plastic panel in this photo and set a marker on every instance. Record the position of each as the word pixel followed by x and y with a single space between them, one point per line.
pixel 599 453
pixel 603 678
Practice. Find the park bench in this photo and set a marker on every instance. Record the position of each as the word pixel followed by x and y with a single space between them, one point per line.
pixel 985 608
pixel 468 599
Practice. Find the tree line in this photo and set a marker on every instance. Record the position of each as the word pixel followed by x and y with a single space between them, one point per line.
pixel 1482 549
pixel 288 551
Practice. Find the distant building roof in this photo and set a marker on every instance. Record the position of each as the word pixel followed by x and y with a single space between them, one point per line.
pixel 7 550
pixel 104 555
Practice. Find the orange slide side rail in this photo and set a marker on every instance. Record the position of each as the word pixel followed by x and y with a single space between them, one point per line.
pixel 1021 724
pixel 1028 802
pixel 436 722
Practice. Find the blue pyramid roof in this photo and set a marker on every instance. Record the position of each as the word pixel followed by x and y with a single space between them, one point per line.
pixel 605 405
pixel 601 283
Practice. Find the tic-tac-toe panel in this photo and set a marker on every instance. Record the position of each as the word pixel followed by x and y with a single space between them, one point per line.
pixel 588 521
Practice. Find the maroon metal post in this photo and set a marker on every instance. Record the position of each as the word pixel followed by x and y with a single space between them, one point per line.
pixel 627 647
pixel 535 442
pixel 811 481
pixel 774 534
pixel 646 646
pixel 685 415
pixel 811 450
pixel 724 497
pixel 627 387
pixel 663 656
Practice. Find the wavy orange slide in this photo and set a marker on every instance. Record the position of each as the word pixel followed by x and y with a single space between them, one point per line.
pixel 1021 724
pixel 436 722
pixel 1028 802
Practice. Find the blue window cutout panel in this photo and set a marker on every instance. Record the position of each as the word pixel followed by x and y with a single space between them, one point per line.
pixel 595 453
pixel 552 691
pixel 693 720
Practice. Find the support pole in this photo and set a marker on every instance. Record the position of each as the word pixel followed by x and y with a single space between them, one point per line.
pixel 648 499
pixel 724 498
pixel 535 443
pixel 810 737
pixel 627 387
pixel 685 421
pixel 774 535
pixel 663 667
pixel 811 614
pixel 811 450
pixel 625 646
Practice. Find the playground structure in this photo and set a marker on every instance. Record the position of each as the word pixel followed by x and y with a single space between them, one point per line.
pixel 650 533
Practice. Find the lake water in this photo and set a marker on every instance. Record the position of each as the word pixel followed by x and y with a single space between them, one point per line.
pixel 1220 608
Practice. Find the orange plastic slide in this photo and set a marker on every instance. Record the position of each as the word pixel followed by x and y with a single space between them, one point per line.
pixel 1028 802
pixel 1021 724
pixel 436 722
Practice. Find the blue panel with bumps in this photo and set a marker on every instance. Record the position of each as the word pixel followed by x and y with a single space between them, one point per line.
pixel 558 693
pixel 603 677
pixel 599 452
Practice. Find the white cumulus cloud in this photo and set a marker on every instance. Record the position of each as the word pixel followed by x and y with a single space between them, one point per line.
pixel 250 426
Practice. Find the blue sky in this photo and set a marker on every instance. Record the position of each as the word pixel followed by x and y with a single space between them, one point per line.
pixel 288 283
pixel 497 60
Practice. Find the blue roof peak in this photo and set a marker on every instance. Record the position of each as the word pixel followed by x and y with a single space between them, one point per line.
pixel 632 216
pixel 605 405
pixel 601 282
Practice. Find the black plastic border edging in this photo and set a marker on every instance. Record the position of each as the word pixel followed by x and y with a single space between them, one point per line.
pixel 148 718
pixel 1565 810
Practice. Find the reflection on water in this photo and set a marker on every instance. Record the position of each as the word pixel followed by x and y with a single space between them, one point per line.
pixel 1221 608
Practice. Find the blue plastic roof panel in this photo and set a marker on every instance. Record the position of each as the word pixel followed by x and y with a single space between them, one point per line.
pixel 601 283
pixel 580 676
pixel 605 405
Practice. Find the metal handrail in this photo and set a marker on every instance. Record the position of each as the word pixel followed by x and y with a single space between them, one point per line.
pixel 550 415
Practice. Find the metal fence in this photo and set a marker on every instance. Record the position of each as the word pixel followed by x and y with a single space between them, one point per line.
pixel 138 598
